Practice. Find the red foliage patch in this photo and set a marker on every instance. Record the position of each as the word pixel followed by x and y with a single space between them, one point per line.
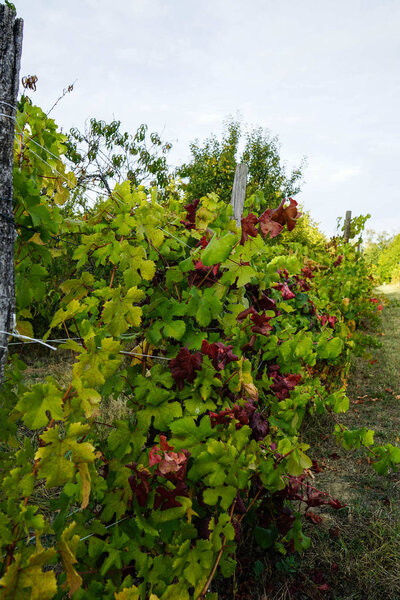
pixel 220 354
pixel 338 260
pixel 286 215
pixel 261 322
pixel 190 222
pixel 286 292
pixel 184 366
pixel 282 384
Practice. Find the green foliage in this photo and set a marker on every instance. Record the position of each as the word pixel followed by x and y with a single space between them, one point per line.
pixel 10 5
pixel 220 347
pixel 103 155
pixel 357 225
pixel 384 257
pixel 213 164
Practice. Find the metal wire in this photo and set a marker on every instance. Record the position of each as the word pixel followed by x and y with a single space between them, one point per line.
pixel 16 334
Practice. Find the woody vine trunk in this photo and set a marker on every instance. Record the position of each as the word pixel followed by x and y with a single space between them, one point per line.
pixel 10 58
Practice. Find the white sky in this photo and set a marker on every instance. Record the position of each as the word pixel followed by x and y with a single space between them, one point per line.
pixel 323 75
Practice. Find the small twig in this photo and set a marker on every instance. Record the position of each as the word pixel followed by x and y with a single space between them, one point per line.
pixel 65 92
pixel 211 576
pixel 80 337
pixel 112 276
pixel 204 278
pixel 105 424
pixel 251 504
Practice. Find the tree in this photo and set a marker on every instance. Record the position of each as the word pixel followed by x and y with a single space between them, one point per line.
pixel 212 165
pixel 103 155
pixel 388 264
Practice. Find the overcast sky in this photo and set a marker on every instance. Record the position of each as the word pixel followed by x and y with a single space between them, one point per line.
pixel 323 75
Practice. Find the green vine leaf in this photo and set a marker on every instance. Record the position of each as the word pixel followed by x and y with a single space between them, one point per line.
pixel 54 466
pixel 40 399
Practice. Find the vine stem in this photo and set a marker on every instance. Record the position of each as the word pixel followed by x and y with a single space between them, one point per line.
pixel 251 504
pixel 211 576
pixel 113 275
pixel 79 334
pixel 205 277
pixel 106 424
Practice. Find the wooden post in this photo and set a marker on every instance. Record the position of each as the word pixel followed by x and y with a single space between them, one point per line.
pixel 239 191
pixel 10 60
pixel 347 223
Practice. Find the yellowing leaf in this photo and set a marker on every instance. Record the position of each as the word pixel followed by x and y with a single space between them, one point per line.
pixel 25 328
pixel 72 309
pixel 28 580
pixel 245 378
pixel 90 399
pixel 136 360
pixel 120 312
pixel 250 390
pixel 85 483
pixel 36 239
pixel 131 593
pixel 68 545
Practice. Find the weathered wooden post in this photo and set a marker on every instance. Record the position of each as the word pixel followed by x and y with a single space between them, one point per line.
pixel 239 191
pixel 347 224
pixel 10 60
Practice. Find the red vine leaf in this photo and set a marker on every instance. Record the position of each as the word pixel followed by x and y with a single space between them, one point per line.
pixel 190 222
pixel 220 354
pixel 248 227
pixel 286 215
pixel 268 226
pixel 184 366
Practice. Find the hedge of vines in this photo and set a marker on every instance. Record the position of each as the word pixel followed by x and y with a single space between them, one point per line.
pixel 219 342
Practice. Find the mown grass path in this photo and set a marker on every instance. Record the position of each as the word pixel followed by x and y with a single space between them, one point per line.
pixel 357 549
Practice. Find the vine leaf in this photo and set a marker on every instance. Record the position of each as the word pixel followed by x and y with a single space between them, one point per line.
pixel 68 545
pixel 36 402
pixel 53 464
pixel 218 249
pixel 20 578
pixel 85 483
pixel 72 309
pixel 119 312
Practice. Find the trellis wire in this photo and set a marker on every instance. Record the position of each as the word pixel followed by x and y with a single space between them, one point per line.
pixel 16 334
pixel 62 340
pixel 8 104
